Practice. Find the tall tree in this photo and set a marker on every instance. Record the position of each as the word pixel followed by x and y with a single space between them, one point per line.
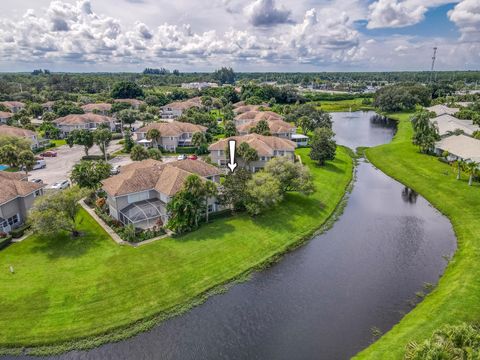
pixel 89 174
pixel 81 137
pixel 234 189
pixel 230 128
pixel 471 168
pixel 153 134
pixel 247 154
pixel 139 153
pixel 26 160
pixel 57 212
pixel 126 90
pixel 128 116
pixel 102 138
pixel 291 176
pixel 9 155
pixel 261 128
pixel 323 147
pixel 263 192
pixel 425 133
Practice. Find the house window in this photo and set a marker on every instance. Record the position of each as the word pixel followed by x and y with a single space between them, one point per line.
pixel 137 197
pixel 37 193
pixel 210 208
pixel 12 220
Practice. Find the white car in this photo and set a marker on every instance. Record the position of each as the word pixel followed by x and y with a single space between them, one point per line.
pixel 182 157
pixel 60 185
pixel 115 170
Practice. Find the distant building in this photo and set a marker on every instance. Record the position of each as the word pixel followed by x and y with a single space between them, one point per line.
pixel 256 115
pixel 300 139
pixel 5 116
pixel 31 136
pixel 175 109
pixel 16 198
pixel 442 109
pixel 99 108
pixel 48 106
pixel 140 193
pixel 134 103
pixel 267 147
pixel 172 134
pixel 199 85
pixel 87 121
pixel 14 106
pixel 277 127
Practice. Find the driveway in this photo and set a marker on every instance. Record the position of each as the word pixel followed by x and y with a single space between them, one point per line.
pixel 59 168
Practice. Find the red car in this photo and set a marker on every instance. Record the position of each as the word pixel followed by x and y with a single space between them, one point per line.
pixel 193 157
pixel 49 153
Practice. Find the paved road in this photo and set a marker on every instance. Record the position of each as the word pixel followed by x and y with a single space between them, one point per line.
pixel 59 168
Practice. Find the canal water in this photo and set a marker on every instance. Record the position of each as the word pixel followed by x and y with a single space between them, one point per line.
pixel 326 299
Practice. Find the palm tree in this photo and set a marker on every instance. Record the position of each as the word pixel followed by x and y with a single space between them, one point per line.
pixel 210 190
pixel 26 159
pixel 458 165
pixel 153 134
pixel 471 168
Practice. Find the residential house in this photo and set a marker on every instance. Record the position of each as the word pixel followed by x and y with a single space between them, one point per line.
pixel 16 198
pixel 175 109
pixel 459 147
pixel 256 115
pixel 267 147
pixel 87 121
pixel 48 106
pixel 98 108
pixel 5 116
pixel 245 108
pixel 14 106
pixel 172 134
pixel 140 193
pixel 300 139
pixel 442 109
pixel 448 124
pixel 134 103
pixel 199 85
pixel 277 127
pixel 31 136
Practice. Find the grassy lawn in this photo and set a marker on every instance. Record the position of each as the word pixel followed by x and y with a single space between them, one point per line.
pixel 65 289
pixel 344 105
pixel 457 296
pixel 59 142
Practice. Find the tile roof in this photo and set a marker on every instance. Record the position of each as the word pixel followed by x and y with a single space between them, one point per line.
pixel 448 123
pixel 97 106
pixel 245 108
pixel 15 131
pixel 276 126
pixel 77 119
pixel 259 115
pixel 174 128
pixel 442 109
pixel 264 145
pixel 11 104
pixel 462 146
pixel 184 105
pixel 13 186
pixel 133 102
pixel 167 178
pixel 5 115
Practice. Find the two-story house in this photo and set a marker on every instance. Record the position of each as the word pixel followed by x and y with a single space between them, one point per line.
pixel 31 136
pixel 98 108
pixel 88 121
pixel 16 198
pixel 13 106
pixel 267 147
pixel 140 193
pixel 175 109
pixel 172 134
pixel 277 128
pixel 255 115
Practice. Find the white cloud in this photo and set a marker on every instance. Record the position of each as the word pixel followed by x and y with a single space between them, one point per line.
pixel 400 13
pixel 265 13
pixel 466 15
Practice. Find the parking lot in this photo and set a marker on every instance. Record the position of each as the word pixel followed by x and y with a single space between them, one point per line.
pixel 59 167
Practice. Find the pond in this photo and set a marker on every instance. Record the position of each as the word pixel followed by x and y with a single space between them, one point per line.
pixel 322 300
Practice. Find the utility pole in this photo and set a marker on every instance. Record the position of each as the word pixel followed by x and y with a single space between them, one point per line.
pixel 433 63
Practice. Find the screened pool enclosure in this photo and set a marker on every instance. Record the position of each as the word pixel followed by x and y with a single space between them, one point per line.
pixel 144 214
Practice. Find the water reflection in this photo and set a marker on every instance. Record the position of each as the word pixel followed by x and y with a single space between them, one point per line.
pixel 409 195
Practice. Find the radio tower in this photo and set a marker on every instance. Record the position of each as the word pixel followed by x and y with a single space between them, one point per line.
pixel 433 62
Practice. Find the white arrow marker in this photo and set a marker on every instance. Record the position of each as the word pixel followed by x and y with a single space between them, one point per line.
pixel 231 147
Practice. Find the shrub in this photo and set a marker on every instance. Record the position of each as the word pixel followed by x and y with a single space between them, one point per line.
pixel 20 231
pixel 4 242
pixel 117 136
pixel 95 157
pixel 186 150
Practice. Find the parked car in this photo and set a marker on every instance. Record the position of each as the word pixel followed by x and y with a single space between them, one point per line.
pixel 115 170
pixel 193 157
pixel 182 157
pixel 37 181
pixel 49 153
pixel 60 185
pixel 39 164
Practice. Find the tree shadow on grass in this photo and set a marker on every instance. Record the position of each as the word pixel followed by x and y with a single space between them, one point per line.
pixel 208 231
pixel 64 245
pixel 332 167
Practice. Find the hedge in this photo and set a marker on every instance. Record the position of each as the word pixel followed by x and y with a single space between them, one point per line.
pixel 20 231
pixel 4 242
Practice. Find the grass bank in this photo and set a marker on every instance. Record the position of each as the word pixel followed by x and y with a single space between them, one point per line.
pixel 344 105
pixel 457 295
pixel 80 293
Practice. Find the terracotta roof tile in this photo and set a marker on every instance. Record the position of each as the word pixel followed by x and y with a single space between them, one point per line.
pixel 76 119
pixel 174 128
pixel 13 186
pixel 264 145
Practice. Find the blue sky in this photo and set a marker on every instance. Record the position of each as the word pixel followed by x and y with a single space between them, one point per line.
pixel 249 35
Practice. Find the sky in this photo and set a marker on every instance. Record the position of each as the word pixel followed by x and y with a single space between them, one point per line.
pixel 248 35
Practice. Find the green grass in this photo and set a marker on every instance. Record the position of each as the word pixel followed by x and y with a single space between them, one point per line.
pixel 457 295
pixel 59 142
pixel 66 289
pixel 344 105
